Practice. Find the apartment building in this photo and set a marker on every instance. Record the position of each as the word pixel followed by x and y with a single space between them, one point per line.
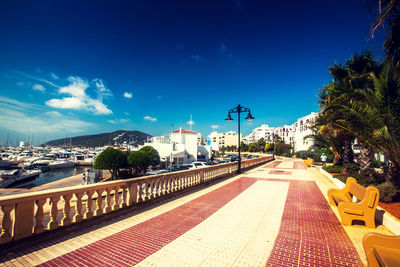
pixel 290 134
pixel 218 140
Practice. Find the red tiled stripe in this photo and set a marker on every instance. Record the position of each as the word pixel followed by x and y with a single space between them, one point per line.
pixel 136 243
pixel 273 164
pixel 310 233
pixel 299 165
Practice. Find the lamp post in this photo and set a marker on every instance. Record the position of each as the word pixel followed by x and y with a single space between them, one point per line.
pixel 239 109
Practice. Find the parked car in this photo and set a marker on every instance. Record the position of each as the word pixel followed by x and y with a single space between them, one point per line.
pixel 155 172
pixel 199 164
pixel 195 165
pixel 223 161
pixel 231 158
pixel 176 168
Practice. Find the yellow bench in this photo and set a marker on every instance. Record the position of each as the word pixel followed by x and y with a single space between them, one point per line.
pixel 382 250
pixel 349 210
pixel 309 162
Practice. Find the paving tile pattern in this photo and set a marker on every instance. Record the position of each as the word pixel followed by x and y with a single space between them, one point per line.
pixel 280 172
pixel 310 233
pixel 273 164
pixel 134 244
pixel 299 165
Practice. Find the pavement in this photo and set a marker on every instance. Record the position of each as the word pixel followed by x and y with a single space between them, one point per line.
pixel 274 215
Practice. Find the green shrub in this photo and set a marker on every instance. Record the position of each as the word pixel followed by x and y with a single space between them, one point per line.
pixel 388 192
pixel 352 169
pixel 333 168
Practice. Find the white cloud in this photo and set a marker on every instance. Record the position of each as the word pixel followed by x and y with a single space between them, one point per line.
pixel 214 127
pixel 30 117
pixel 118 121
pixel 190 122
pixel 39 87
pixel 66 103
pixel 54 76
pixel 127 95
pixel 148 118
pixel 102 90
pixel 79 100
pixel 32 77
pixel 127 113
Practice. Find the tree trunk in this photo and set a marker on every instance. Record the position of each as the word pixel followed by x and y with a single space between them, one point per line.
pixel 366 167
pixel 337 160
pixel 393 175
pixel 348 154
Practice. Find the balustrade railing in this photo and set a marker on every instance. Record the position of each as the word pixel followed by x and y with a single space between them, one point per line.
pixel 33 213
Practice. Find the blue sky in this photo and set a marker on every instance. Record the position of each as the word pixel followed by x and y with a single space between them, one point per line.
pixel 69 68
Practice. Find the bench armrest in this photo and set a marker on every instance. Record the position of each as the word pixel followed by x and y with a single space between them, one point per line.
pixel 372 242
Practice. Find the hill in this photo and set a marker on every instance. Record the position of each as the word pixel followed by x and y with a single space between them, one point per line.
pixel 115 138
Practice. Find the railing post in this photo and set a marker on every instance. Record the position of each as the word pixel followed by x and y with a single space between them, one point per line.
pixel 39 227
pixel 107 208
pixel 133 190
pixel 89 213
pixel 66 220
pixel 6 224
pixel 99 202
pixel 201 176
pixel 78 210
pixel 53 213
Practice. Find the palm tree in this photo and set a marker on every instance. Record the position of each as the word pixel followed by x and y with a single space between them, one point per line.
pixel 336 99
pixel 389 11
pixel 381 115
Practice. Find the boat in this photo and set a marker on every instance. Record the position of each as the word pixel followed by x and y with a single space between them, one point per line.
pixel 59 164
pixel 4 164
pixel 18 178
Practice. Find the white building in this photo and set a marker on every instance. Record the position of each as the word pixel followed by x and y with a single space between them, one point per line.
pixel 264 131
pixel 301 130
pixel 181 147
pixel 218 140
pixel 290 134
pixel 286 133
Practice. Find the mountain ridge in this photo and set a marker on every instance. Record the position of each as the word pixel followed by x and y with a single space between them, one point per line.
pixel 117 137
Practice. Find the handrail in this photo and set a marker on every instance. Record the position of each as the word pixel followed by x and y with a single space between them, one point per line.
pixel 36 212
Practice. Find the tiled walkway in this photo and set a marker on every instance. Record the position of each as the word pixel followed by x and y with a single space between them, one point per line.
pixel 274 215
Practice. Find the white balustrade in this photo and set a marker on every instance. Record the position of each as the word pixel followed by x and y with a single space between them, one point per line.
pixel 37 212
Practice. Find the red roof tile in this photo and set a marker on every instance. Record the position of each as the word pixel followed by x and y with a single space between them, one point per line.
pixel 185 131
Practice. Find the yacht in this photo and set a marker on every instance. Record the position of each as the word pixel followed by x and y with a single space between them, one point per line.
pixel 17 178
pixel 58 164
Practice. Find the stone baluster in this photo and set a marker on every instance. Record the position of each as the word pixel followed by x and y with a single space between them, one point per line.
pixel 66 220
pixel 53 224
pixel 167 185
pixel 133 192
pixel 99 202
pixel 5 235
pixel 150 190
pixel 144 190
pixel 160 183
pixel 124 196
pixel 89 203
pixel 107 208
pixel 78 209
pixel 39 227
pixel 116 198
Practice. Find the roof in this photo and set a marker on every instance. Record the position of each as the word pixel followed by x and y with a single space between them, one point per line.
pixel 185 131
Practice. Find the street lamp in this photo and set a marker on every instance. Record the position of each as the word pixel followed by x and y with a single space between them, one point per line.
pixel 238 110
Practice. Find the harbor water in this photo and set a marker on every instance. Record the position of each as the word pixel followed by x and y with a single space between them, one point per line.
pixel 58 174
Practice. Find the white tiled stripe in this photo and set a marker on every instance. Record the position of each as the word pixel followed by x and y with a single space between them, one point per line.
pixel 241 233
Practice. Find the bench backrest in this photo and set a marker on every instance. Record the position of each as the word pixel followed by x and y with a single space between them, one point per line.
pixel 371 192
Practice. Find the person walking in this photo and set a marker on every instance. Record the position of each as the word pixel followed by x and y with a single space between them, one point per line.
pixel 323 159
